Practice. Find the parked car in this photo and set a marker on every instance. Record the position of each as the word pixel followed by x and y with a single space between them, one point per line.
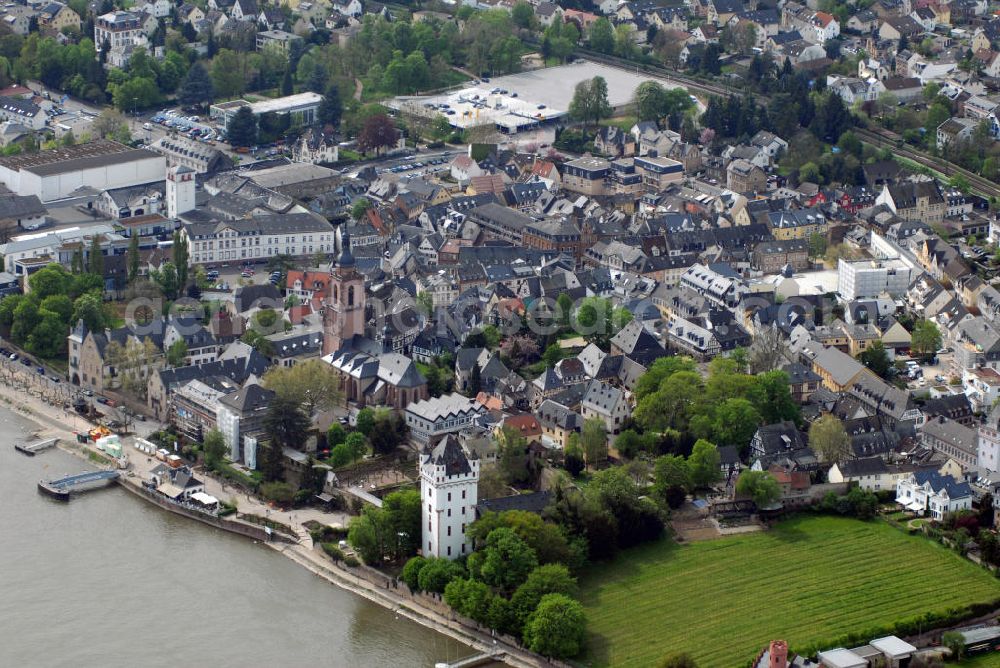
pixel 102 400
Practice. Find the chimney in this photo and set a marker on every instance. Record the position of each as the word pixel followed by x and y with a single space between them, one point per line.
pixel 778 654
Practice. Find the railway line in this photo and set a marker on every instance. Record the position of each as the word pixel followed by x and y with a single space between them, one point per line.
pixel 886 139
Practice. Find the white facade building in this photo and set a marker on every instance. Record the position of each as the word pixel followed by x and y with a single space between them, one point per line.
pixel 180 190
pixel 102 165
pixel 296 234
pixel 864 279
pixel 448 496
pixel 988 443
pixel 933 494
pixel 433 418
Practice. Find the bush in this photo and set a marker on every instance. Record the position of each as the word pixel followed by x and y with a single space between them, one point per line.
pixel 411 572
pixel 333 551
pixel 437 573
pixel 351 561
pixel 954 641
pixel 279 492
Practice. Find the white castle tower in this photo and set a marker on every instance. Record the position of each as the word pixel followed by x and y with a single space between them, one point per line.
pixel 448 495
pixel 180 190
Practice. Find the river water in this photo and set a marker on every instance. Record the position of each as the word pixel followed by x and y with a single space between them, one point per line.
pixel 109 580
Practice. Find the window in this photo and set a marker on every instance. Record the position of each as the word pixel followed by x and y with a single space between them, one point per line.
pixel 449 550
pixel 449 512
pixel 449 530
pixel 449 496
pixel 463 493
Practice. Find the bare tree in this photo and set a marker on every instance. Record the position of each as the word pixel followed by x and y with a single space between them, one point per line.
pixel 768 351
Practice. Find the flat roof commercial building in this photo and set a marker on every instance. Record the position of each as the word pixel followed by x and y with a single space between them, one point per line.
pixel 518 102
pixel 302 107
pixel 55 174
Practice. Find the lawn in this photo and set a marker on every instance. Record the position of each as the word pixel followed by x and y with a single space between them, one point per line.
pixel 809 580
pixel 991 660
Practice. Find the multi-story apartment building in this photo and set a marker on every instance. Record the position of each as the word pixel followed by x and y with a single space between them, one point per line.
pixel 261 237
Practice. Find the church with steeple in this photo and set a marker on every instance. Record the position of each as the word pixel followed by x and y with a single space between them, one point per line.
pixel 344 311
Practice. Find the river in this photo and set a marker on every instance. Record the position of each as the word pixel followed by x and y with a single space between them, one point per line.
pixel 110 580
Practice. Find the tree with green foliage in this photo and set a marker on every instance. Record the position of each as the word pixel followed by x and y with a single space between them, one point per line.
pixel 505 561
pixel 331 109
pixel 166 279
pixel 286 425
pixel 677 660
pixel 601 36
pixel 471 598
pixel 90 309
pixel 877 359
pixel 214 448
pixel 590 101
pixel 280 492
pixel 631 443
pixel 242 128
pixel 179 251
pixel 357 445
pixel 95 258
pixel 196 89
pixel 557 628
pixel 389 431
pixel 829 440
pixel 925 338
pixel 313 477
pixel 594 441
pixel 546 579
pixel 735 422
pixel 817 245
pixel 436 573
pixel 654 102
pixel 661 369
pixel 704 464
pixel 637 519
pixel 132 260
pixel 760 486
pixel 177 353
pixel 365 420
pixel 359 207
pixel 545 538
pixel 955 642
pixel 523 15
pixel 411 572
pixel 335 435
pixel 311 384
pixel 573 459
pixel 671 479
pixel 512 456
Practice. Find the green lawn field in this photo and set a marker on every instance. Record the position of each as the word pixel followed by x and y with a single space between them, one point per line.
pixel 991 660
pixel 809 580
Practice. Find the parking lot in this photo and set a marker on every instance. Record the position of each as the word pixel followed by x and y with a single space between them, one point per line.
pixel 192 126
pixel 936 373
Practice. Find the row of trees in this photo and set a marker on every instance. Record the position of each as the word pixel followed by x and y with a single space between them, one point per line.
pixel 40 320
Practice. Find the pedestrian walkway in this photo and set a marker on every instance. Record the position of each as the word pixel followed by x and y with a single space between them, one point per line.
pixel 407 607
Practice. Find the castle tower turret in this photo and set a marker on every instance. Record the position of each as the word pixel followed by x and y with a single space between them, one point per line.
pixel 180 190
pixel 449 483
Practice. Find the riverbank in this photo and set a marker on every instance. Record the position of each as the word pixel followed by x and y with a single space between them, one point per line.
pixel 53 421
